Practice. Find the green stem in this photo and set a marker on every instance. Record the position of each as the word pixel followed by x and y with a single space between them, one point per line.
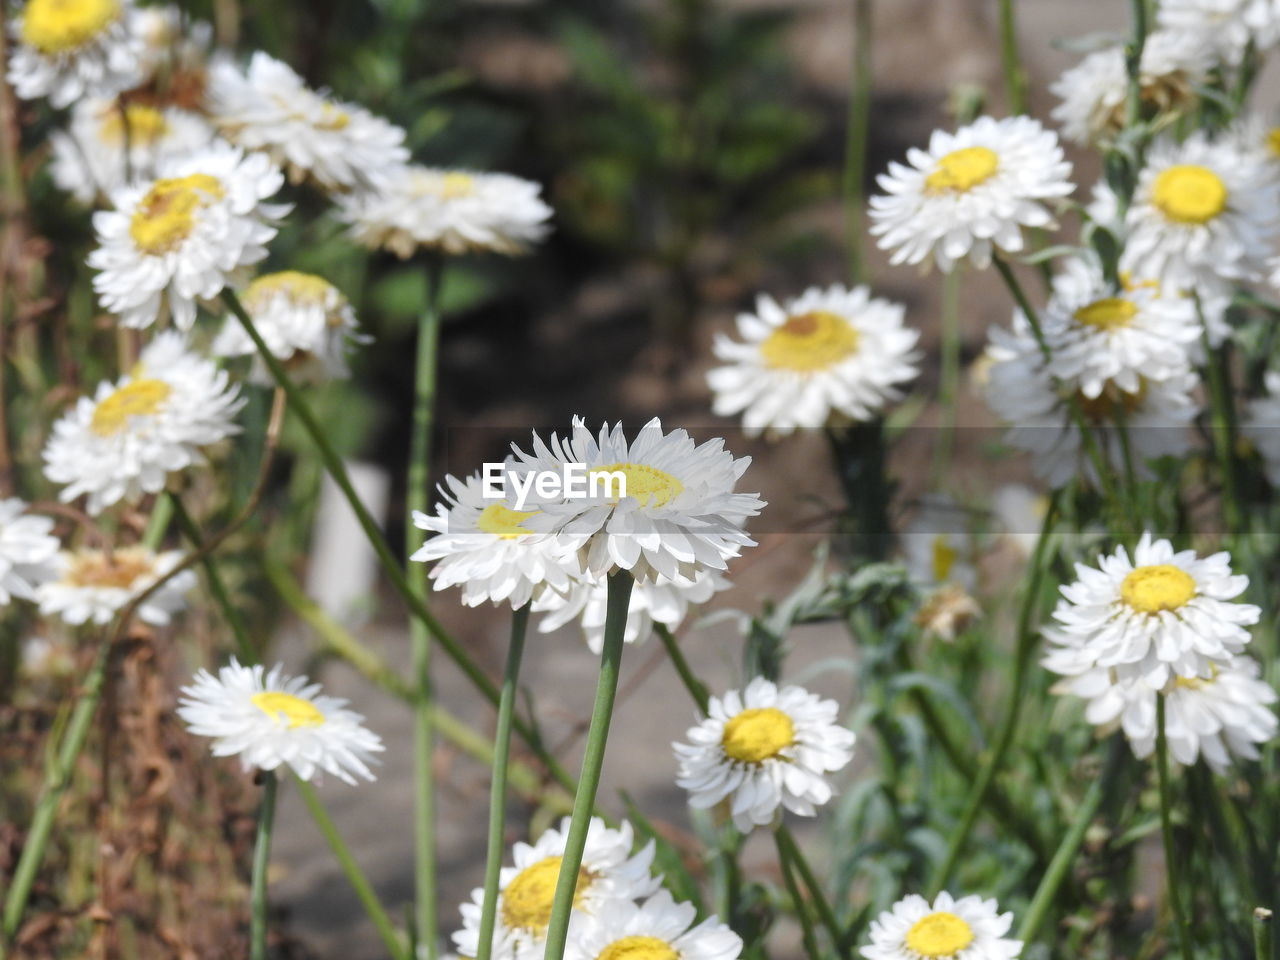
pixel 1015 80
pixel 186 523
pixel 617 605
pixel 855 158
pixel 1166 832
pixel 355 876
pixel 949 375
pixel 1223 435
pixel 417 497
pixel 56 781
pixel 1262 946
pixel 793 890
pixel 825 914
pixel 498 787
pixel 261 857
pixel 697 689
pixel 1013 708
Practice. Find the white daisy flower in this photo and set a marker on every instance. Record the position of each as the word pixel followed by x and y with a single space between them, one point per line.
pixel 761 749
pixel 1095 91
pixel 92 586
pixel 679 515
pixel 185 236
pixel 305 321
pixel 1020 511
pixel 1100 335
pixel 658 929
pixel 1262 427
pixel 947 612
pixel 27 550
pixel 948 929
pixel 269 719
pixel 456 211
pixel 174 48
pixel 970 193
pixel 656 601
pixel 609 873
pixel 834 352
pixel 1021 391
pixel 89 158
pixel 1226 27
pixel 1257 133
pixel 938 546
pixel 1164 614
pixel 1202 213
pixel 68 49
pixel 340 145
pixel 126 440
pixel 485 547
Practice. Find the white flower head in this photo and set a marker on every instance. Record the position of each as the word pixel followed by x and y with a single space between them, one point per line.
pixel 180 239
pixel 487 548
pixel 304 320
pixel 1161 615
pixel 658 929
pixel 828 353
pixel 340 145
pixel 1204 212
pixel 679 515
pixel 69 49
pixel 971 193
pixel 1262 427
pixel 27 550
pixel 175 52
pixel 609 873
pixel 660 601
pixel 124 441
pixel 1022 392
pixel 763 749
pixel 1095 91
pixel 969 928
pixel 92 586
pixel 1225 27
pixel 454 211
pixel 89 158
pixel 270 720
pixel 938 545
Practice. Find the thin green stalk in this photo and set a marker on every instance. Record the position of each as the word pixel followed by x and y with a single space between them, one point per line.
pixel 949 379
pixel 855 156
pixel 1223 435
pixel 615 624
pixel 1262 945
pixel 825 914
pixel 217 588
pixel 1133 62
pixel 697 689
pixel 807 932
pixel 1015 78
pixel 498 786
pixel 1013 708
pixel 355 876
pixel 417 497
pixel 1166 832
pixel 261 857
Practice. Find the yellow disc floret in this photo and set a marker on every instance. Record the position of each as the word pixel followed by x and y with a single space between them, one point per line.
pixel 638 948
pixel 55 26
pixel 817 340
pixel 1109 313
pixel 141 398
pixel 939 934
pixel 297 286
pixel 651 486
pixel 756 735
pixel 962 170
pixel 167 214
pixel 119 569
pixel 1189 194
pixel 944 558
pixel 146 125
pixel 1156 588
pixel 526 900
pixel 1273 143
pixel 296 711
pixel 504 522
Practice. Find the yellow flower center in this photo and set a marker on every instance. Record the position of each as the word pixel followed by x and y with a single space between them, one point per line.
pixel 52 26
pixel 141 398
pixel 1273 143
pixel 1129 284
pixel 167 214
pixel 1156 588
pixel 1109 313
pixel 638 948
pixel 962 170
pixel 298 712
pixel 299 287
pixel 755 735
pixel 146 125
pixel 1190 194
pixel 940 934
pixel 817 340
pixel 505 523
pixel 121 569
pixel 651 486
pixel 944 558
pixel 449 186
pixel 526 901
pixel 332 118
